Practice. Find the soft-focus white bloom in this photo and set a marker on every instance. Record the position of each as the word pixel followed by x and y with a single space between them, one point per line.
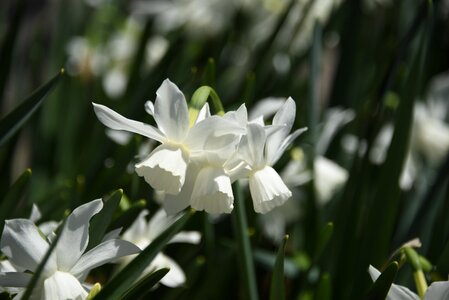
pixel 85 59
pixel 67 267
pixel 261 151
pixel 143 232
pixel 198 17
pixel 328 177
pixel 438 290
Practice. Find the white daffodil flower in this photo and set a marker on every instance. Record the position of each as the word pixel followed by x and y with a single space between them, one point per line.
pixel 211 172
pixel 165 168
pixel 62 276
pixel 438 290
pixel 143 232
pixel 261 151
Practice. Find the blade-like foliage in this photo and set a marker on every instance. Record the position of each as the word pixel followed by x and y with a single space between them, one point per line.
pixel 11 123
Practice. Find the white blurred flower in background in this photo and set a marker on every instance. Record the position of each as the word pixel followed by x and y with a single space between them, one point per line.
pixel 143 232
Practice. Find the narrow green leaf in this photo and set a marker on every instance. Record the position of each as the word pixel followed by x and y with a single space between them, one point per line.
pixel 119 284
pixel 15 192
pixel 324 238
pixel 244 246
pixel 101 221
pixel 37 274
pixel 11 123
pixel 324 290
pixel 143 286
pixel 128 216
pixel 277 290
pixel 268 259
pixel 209 73
pixel 15 18
pixel 380 288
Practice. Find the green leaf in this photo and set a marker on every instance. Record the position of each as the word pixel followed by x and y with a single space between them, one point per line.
pixel 277 290
pixel 37 274
pixel 324 238
pixel 324 290
pixel 128 216
pixel 119 284
pixel 380 288
pixel 15 192
pixel 268 260
pixel 243 243
pixel 143 286
pixel 209 73
pixel 11 123
pixel 101 221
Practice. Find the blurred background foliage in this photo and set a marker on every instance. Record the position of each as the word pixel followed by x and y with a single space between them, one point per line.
pixel 380 60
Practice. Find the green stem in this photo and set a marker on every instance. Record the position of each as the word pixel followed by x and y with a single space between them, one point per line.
pixel 244 246
pixel 199 98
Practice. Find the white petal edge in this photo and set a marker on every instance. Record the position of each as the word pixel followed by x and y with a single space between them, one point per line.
pixel 165 168
pixel 190 237
pixel 396 292
pixel 75 234
pixel 212 191
pixel 438 290
pixel 267 190
pixel 105 252
pixel 63 285
pixel 284 145
pixel 23 245
pixel 116 121
pixel 171 112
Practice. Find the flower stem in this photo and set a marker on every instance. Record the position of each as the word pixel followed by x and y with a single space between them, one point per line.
pixel 199 98
pixel 243 242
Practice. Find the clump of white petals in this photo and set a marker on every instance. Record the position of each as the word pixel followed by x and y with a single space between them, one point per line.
pixel 198 160
pixel 63 275
pixel 143 232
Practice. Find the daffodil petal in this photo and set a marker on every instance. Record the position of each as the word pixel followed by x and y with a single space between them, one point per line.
pixel 173 204
pixel 252 145
pixel 138 228
pixel 159 222
pixel 103 253
pixel 75 235
pixel 212 191
pixel 171 112
pixel 283 146
pixel 23 245
pixel 165 168
pixel 396 292
pixel 438 290
pixel 116 121
pixel 190 237
pixel 175 277
pixel 63 285
pixel 267 190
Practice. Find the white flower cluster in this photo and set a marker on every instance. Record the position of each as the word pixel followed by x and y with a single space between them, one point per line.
pixel 62 277
pixel 198 160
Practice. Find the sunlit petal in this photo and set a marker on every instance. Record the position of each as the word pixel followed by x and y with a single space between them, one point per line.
pixel 63 285
pixel 75 234
pixel 438 290
pixel 23 245
pixel 116 121
pixel 397 292
pixel 165 168
pixel 267 190
pixel 103 253
pixel 212 191
pixel 171 112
